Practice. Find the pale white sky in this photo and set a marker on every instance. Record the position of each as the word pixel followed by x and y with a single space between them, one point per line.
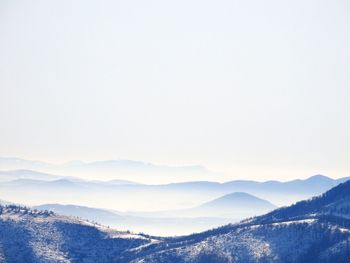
pixel 253 89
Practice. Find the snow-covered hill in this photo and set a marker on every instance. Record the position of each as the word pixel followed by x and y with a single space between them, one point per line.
pixel 317 230
pixel 41 236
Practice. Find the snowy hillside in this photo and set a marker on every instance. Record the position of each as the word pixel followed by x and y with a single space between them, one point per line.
pixel 297 241
pixel 317 230
pixel 36 236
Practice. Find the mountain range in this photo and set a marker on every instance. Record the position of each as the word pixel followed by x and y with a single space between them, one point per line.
pixel 31 187
pixel 162 210
pixel 314 230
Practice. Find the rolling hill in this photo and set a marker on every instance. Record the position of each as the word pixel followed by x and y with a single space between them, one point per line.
pixel 235 205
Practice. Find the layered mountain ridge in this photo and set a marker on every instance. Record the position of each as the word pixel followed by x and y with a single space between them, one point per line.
pixel 316 230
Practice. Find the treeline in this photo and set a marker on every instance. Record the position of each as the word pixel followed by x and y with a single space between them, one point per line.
pixel 24 210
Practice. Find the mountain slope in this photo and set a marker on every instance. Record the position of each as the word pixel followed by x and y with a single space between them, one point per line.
pixel 334 202
pixel 34 236
pixel 317 230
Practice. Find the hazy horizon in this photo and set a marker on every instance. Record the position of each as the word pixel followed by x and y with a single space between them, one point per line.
pixel 249 89
pixel 156 173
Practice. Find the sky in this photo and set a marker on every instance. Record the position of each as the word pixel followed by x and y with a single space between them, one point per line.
pixel 251 89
